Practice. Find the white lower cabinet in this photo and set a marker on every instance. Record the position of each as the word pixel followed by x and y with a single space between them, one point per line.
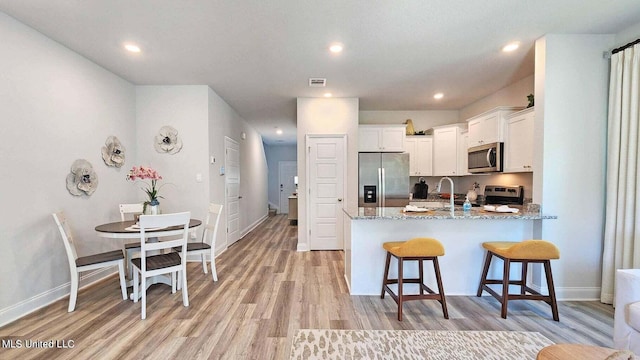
pixel 446 150
pixel 518 145
pixel 420 149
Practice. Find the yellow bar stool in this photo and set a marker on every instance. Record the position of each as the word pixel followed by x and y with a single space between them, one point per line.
pixel 418 249
pixel 525 252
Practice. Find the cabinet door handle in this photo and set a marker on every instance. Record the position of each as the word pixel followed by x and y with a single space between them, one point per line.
pixel 339 200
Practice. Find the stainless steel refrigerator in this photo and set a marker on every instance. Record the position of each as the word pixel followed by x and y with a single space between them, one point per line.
pixel 383 179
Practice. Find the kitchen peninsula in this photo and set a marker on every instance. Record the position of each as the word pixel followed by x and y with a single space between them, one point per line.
pixel 461 234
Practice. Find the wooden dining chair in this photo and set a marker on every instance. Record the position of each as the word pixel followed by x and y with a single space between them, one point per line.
pixel 208 244
pixel 86 263
pixel 153 261
pixel 133 247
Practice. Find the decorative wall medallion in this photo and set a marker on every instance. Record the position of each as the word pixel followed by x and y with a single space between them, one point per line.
pixel 167 140
pixel 113 152
pixel 82 180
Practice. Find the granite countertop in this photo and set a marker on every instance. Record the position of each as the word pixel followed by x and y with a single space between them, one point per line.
pixel 396 213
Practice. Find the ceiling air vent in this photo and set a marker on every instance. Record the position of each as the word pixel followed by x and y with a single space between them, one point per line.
pixel 317 82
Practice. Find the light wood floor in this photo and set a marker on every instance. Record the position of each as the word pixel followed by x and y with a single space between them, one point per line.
pixel 267 290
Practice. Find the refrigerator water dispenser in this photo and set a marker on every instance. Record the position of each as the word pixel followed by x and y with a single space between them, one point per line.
pixel 370 194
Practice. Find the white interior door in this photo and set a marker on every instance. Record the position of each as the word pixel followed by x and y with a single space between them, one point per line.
pixel 287 170
pixel 325 180
pixel 232 189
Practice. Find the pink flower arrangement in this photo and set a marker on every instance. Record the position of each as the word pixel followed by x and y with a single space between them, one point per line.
pixel 147 173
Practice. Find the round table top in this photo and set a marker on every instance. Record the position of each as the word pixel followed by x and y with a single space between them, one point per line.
pixel 574 351
pixel 120 227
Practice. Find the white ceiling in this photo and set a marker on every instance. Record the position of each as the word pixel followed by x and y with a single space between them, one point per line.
pixel 258 54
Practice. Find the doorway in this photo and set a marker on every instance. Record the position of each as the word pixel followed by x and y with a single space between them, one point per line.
pixel 287 171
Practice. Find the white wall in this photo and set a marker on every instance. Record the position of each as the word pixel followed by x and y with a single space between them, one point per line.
pixel 512 95
pixel 570 133
pixel 185 109
pixel 422 120
pixel 254 176
pixel 55 107
pixel 225 121
pixel 326 116
pixel 275 154
pixel 632 33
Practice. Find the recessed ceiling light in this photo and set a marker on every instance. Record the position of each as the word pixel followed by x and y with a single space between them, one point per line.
pixel 279 131
pixel 438 96
pixel 336 48
pixel 328 95
pixel 132 47
pixel 511 46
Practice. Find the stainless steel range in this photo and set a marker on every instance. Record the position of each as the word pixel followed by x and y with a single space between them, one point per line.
pixel 503 195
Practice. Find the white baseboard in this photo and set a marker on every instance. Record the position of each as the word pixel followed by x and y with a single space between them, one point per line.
pixel 572 293
pixel 255 224
pixel 302 246
pixel 50 296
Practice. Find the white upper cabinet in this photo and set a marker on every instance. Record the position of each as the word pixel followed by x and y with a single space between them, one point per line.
pixel 420 149
pixel 518 145
pixel 463 154
pixel 447 145
pixel 381 138
pixel 488 127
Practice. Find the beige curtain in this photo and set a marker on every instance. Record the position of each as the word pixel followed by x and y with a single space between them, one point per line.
pixel 622 221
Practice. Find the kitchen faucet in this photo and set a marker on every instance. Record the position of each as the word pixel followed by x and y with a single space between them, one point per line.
pixel 452 193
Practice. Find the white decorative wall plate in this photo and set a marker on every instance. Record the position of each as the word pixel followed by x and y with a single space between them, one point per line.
pixel 82 180
pixel 113 152
pixel 167 141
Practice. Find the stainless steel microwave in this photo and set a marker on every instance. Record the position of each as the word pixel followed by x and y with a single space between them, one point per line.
pixel 486 158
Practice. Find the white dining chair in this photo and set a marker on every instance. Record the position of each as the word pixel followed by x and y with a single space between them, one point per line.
pixel 153 261
pixel 127 209
pixel 133 247
pixel 86 263
pixel 208 244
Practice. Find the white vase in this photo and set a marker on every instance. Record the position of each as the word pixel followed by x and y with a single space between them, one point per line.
pixel 154 209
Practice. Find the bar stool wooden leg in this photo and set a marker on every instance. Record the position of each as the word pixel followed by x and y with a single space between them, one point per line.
pixel 552 292
pixel 443 302
pixel 525 252
pixel 505 287
pixel 421 275
pixel 400 278
pixel 385 278
pixel 417 249
pixel 485 271
pixel 523 277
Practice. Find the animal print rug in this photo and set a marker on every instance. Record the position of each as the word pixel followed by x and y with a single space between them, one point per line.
pixel 416 344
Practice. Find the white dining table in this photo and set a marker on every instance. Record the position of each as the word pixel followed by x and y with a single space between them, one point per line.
pixel 129 230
